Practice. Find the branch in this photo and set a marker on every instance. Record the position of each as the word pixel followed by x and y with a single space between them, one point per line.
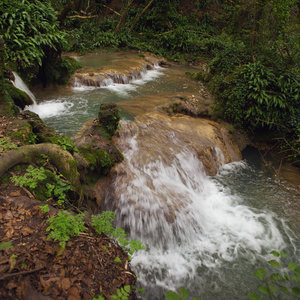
pixel 82 17
pixel 273 123
pixel 139 16
pixel 3 277
pixel 112 10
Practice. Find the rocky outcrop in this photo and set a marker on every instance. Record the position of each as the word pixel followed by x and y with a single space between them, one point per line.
pixel 156 136
pixel 123 72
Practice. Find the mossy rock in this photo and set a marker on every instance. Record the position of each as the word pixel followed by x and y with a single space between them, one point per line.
pixel 109 117
pixel 46 134
pixel 57 70
pixel 99 160
pixel 20 98
pixel 22 131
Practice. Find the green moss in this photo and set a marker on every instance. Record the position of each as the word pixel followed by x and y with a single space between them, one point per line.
pixel 4 180
pixel 20 98
pixel 22 131
pixel 109 117
pixel 58 70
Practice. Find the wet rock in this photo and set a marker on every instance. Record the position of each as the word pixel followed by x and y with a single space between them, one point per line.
pixel 156 137
pixel 109 117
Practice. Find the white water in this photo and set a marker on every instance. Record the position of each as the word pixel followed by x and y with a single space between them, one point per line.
pixel 74 106
pixel 193 225
pixel 20 84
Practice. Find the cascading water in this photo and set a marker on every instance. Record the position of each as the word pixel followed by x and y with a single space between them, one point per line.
pixel 204 233
pixel 199 233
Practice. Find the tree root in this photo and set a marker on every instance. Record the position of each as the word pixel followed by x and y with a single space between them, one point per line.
pixel 60 158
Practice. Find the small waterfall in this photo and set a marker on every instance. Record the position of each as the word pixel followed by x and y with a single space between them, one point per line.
pixel 20 84
pixel 110 79
pixel 191 224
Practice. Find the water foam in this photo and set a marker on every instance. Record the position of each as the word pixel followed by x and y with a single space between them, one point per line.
pixel 187 220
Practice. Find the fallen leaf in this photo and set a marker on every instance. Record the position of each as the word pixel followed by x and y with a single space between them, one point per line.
pixel 15 194
pixel 65 284
pixel 12 263
pixel 8 215
pixel 10 233
pixel 26 231
pixel 73 294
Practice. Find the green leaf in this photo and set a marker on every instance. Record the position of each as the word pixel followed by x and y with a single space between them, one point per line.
pixel 296 291
pixel 183 293
pixel 272 289
pixel 274 263
pixel 283 254
pixel 254 296
pixel 283 289
pixel 170 295
pixel 261 273
pixel 117 259
pixel 263 290
pixel 127 288
pixel 275 253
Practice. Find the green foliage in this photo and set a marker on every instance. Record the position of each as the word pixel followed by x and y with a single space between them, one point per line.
pixel 31 178
pixel 122 294
pixel 257 97
pixel 5 245
pixel 29 27
pixel 182 295
pixel 117 259
pixel 44 183
pixel 45 208
pixel 6 144
pixel 102 223
pixel 100 297
pixel 283 281
pixel 64 226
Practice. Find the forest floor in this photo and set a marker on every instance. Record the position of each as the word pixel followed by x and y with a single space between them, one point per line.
pixel 36 268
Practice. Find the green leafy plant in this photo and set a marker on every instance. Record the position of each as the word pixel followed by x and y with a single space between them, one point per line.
pixel 5 245
pixel 117 259
pixel 44 183
pixel 65 225
pixel 102 223
pixel 100 297
pixel 6 144
pixel 31 178
pixel 67 144
pixel 122 293
pixel 182 295
pixel 44 208
pixel 284 281
pixel 29 27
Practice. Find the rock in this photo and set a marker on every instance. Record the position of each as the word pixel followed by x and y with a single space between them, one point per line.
pixel 109 117
pixel 155 136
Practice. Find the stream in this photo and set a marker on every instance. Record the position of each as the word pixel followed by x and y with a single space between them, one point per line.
pixel 222 227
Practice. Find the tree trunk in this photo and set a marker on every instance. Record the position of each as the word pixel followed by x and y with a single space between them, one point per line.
pixel 1 70
pixel 139 16
pixel 123 17
pixel 60 158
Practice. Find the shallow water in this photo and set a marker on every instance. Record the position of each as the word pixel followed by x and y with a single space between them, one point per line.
pixel 224 226
pixel 66 108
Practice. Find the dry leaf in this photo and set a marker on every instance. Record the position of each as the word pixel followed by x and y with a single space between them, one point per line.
pixel 15 194
pixel 12 263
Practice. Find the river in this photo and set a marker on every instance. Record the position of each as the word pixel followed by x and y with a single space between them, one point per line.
pixel 224 227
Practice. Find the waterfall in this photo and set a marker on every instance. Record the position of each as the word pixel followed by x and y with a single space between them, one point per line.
pixel 20 84
pixel 191 224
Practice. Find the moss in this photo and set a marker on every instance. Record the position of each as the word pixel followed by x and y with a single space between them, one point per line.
pixel 20 98
pixel 22 131
pixel 4 180
pixel 109 117
pixel 97 158
pixel 57 70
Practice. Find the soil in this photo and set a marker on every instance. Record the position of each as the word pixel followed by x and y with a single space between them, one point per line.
pixel 36 267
